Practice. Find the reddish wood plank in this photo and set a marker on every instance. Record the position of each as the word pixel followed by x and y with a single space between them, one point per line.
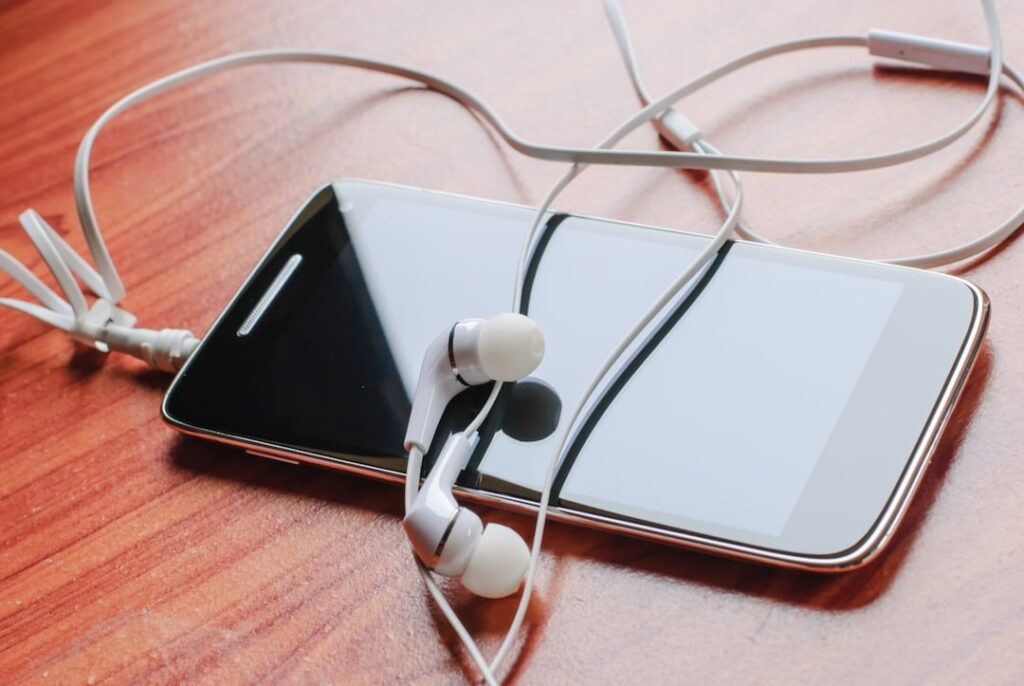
pixel 129 554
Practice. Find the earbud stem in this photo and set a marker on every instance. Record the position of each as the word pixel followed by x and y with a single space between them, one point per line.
pixel 431 515
pixel 436 386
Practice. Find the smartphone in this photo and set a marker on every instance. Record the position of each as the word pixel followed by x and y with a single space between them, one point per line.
pixel 782 409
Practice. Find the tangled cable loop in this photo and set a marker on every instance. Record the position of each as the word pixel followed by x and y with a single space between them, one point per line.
pixel 102 325
pixel 105 326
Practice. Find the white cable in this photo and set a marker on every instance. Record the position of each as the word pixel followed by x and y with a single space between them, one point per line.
pixel 667 296
pixel 412 484
pixel 940 258
pixel 103 325
pixel 109 287
pixel 588 156
pixel 415 456
pixel 113 282
pixel 470 100
pixel 412 475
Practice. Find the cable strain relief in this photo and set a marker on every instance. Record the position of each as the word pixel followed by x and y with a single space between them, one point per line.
pixel 91 328
pixel 171 348
pixel 677 130
pixel 166 350
pixel 933 52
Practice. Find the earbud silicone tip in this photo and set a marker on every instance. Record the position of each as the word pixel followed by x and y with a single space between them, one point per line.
pixel 510 346
pixel 498 564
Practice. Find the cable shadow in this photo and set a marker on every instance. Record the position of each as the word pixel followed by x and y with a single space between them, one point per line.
pixel 975 262
pixel 831 592
pixel 915 73
pixel 489 618
pixel 85 361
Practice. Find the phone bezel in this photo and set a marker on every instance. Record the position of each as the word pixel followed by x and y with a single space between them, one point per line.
pixel 860 553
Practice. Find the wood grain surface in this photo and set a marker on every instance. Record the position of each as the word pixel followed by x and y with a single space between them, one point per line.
pixel 130 554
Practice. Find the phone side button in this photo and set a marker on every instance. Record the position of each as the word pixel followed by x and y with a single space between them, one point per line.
pixel 258 453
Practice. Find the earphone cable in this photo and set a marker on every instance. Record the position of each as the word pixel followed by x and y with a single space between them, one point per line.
pixel 415 455
pixel 412 481
pixel 957 253
pixel 170 348
pixel 710 250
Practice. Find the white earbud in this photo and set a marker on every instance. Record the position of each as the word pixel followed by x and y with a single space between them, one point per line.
pixel 452 540
pixel 473 352
pixel 449 539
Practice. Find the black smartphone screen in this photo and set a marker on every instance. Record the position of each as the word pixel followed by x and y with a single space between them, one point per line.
pixel 311 372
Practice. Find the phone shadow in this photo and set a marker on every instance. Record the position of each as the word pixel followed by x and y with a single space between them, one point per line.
pixel 822 591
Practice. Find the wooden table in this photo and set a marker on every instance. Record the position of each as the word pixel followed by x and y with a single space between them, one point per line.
pixel 129 554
